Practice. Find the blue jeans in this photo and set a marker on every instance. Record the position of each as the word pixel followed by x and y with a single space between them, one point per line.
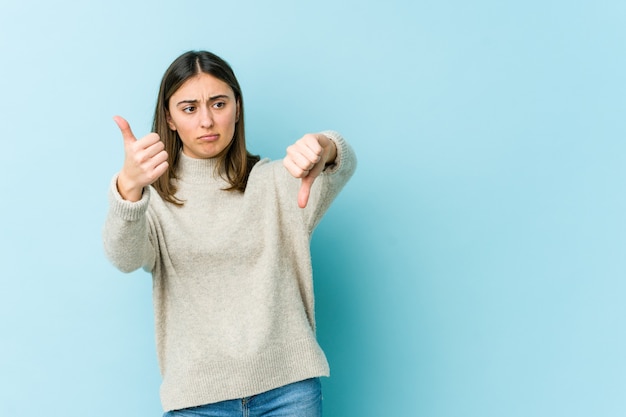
pixel 300 399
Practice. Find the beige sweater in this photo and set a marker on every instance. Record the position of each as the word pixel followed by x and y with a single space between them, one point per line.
pixel 232 277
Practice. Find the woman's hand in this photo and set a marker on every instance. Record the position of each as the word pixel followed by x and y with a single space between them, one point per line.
pixel 306 159
pixel 144 163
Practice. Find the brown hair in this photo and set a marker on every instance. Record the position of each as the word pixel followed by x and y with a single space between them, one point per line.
pixel 235 162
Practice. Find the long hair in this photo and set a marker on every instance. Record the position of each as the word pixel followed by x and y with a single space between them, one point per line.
pixel 235 162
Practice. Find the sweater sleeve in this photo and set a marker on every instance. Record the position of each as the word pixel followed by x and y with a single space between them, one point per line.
pixel 330 182
pixel 126 235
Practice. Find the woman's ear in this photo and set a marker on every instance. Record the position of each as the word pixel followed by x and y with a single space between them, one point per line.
pixel 168 118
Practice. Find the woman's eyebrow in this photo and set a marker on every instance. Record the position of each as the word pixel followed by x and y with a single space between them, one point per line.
pixel 196 101
pixel 187 102
pixel 219 96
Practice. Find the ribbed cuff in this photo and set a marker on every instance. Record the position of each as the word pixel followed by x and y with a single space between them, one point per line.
pixel 127 210
pixel 342 150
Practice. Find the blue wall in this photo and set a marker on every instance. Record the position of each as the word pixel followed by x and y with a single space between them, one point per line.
pixel 475 264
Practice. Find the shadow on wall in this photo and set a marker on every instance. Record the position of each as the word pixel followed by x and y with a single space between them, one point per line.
pixel 372 310
pixel 342 312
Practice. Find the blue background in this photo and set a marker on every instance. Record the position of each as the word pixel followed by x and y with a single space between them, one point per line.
pixel 475 264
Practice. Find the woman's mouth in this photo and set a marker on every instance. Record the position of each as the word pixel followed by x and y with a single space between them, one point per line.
pixel 209 137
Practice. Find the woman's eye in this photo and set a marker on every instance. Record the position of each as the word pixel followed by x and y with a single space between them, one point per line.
pixel 219 105
pixel 189 109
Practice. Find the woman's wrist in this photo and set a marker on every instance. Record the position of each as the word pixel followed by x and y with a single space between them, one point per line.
pixel 330 149
pixel 126 190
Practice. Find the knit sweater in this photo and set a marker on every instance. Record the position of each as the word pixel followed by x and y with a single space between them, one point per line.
pixel 232 276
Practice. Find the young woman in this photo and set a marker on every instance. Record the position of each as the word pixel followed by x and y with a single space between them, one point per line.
pixel 226 237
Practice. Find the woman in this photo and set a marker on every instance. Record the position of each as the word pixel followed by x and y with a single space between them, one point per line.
pixel 226 237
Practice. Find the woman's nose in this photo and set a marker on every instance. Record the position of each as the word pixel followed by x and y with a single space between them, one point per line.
pixel 206 118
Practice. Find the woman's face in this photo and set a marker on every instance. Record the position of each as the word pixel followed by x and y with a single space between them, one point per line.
pixel 203 111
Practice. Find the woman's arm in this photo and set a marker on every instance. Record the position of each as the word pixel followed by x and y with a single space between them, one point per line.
pixel 126 233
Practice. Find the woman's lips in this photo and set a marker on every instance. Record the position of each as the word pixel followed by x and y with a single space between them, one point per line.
pixel 209 137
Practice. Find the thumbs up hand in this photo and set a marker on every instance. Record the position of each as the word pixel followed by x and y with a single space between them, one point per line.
pixel 306 159
pixel 145 161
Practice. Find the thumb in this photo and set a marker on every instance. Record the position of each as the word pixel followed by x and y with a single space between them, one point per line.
pixel 305 191
pixel 127 134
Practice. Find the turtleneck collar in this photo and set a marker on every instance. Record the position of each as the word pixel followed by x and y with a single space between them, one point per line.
pixel 194 170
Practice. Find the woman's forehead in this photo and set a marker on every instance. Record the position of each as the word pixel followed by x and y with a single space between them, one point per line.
pixel 203 87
